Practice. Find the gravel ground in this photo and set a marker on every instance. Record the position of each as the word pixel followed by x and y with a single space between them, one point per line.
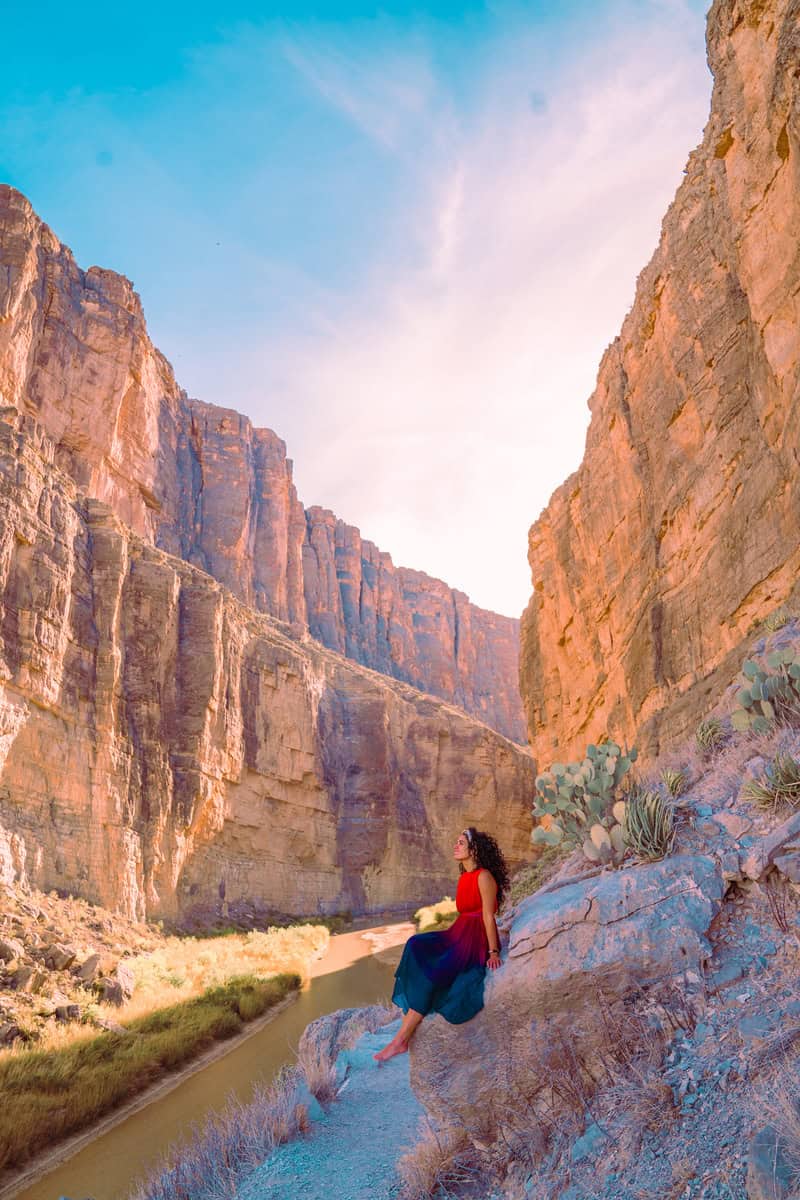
pixel 351 1150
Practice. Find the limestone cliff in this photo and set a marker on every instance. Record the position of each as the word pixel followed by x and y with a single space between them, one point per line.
pixel 200 482
pixel 681 525
pixel 167 751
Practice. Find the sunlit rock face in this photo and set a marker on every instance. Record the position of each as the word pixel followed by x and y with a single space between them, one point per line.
pixel 681 526
pixel 168 751
pixel 200 482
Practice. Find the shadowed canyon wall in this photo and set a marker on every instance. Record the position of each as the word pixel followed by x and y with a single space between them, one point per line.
pixel 682 524
pixel 170 752
pixel 200 482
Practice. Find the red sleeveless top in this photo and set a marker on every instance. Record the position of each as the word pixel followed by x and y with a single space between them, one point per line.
pixel 468 894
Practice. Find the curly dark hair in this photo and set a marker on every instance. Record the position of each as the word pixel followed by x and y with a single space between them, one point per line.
pixel 488 854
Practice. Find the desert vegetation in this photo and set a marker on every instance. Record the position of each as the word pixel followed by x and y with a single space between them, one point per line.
pixel 182 968
pixel 53 1092
pixel 436 916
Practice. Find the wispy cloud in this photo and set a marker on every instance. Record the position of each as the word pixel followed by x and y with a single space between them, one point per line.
pixel 448 398
pixel 383 93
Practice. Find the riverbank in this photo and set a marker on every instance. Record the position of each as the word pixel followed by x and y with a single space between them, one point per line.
pixel 11 1184
pixel 355 970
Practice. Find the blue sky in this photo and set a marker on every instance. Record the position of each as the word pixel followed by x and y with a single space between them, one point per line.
pixel 401 237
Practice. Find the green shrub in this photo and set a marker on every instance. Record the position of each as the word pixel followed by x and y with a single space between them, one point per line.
pixel 579 803
pixel 780 784
pixel 649 824
pixel 436 916
pixel 768 695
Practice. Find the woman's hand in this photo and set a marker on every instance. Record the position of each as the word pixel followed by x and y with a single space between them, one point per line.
pixel 493 961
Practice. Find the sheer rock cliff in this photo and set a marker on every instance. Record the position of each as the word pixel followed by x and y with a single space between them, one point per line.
pixel 167 751
pixel 650 564
pixel 199 481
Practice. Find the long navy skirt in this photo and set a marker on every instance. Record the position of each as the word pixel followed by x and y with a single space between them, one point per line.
pixel 444 971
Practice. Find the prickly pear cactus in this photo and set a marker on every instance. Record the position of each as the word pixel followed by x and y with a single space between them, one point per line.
pixel 575 803
pixel 768 694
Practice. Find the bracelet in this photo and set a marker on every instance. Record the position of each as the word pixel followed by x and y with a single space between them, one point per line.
pixel 494 951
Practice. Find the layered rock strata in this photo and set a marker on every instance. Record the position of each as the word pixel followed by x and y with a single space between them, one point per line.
pixel 201 482
pixel 681 525
pixel 167 751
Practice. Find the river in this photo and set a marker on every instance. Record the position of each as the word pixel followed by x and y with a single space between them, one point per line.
pixel 349 975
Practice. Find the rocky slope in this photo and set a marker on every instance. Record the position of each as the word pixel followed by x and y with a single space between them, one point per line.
pixel 200 482
pixel 681 525
pixel 167 751
pixel 58 954
pixel 641 1037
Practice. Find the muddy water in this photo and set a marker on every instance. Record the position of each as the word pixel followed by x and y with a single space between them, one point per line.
pixel 350 974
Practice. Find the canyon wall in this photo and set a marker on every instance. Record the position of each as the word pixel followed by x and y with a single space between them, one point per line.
pixel 682 525
pixel 167 751
pixel 199 481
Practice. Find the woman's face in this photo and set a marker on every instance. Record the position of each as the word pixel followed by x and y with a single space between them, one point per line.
pixel 461 849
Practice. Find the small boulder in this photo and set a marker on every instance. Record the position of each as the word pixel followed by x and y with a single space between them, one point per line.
pixel 68 1012
pixel 58 957
pixel 11 949
pixel 761 856
pixel 734 825
pixel 789 865
pixel 125 979
pixel 117 988
pixel 11 1032
pixel 89 969
pixel 28 979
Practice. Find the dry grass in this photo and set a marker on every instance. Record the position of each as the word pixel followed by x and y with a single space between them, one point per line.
pixel 709 781
pixel 436 916
pixel 54 1092
pixel 782 902
pixel 318 1067
pixel 185 967
pixel 231 1144
pixel 438 1162
pixel 536 874
pixel 554 1085
pixel 777 1106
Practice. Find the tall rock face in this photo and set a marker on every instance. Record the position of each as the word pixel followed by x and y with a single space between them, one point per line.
pixel 168 751
pixel 201 482
pixel 682 524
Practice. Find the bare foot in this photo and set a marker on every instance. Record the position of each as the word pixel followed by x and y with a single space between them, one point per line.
pixel 396 1046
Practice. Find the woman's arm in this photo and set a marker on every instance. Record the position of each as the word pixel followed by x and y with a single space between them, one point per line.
pixel 488 890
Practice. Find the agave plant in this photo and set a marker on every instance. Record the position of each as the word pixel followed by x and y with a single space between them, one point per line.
pixel 649 824
pixel 780 784
pixel 709 735
pixel 674 781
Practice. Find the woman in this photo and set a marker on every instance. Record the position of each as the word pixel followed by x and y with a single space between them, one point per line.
pixel 444 971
